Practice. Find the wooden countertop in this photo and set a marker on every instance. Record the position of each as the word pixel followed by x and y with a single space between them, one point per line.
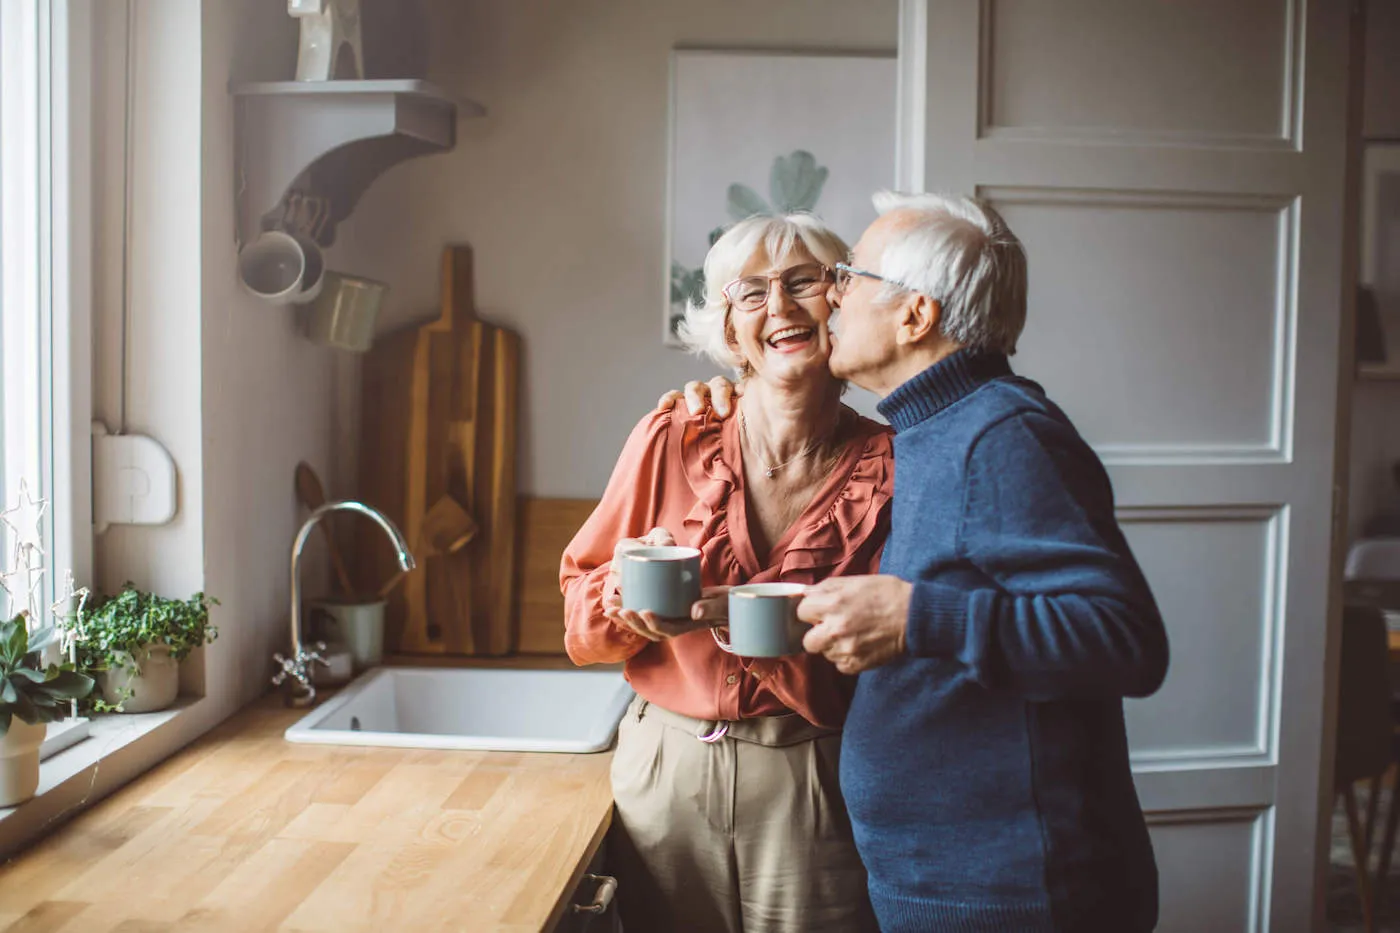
pixel 245 831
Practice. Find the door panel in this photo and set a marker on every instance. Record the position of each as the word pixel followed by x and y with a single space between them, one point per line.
pixel 1215 574
pixel 1173 283
pixel 1189 70
pixel 1184 229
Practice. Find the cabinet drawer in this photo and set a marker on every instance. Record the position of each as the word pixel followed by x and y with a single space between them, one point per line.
pixel 595 888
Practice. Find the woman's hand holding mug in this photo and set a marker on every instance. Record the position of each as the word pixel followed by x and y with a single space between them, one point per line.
pixel 647 624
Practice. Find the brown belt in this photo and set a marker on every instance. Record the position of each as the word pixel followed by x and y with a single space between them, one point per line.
pixel 772 731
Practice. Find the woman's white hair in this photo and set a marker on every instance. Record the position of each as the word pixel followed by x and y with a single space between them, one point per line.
pixel 959 251
pixel 707 328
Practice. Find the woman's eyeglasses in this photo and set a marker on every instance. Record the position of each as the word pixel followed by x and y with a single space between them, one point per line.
pixel 805 281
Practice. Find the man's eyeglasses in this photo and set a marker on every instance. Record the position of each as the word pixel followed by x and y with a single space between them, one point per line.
pixel 750 292
pixel 846 274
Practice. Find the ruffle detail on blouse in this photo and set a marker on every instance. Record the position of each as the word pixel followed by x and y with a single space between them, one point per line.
pixel 829 538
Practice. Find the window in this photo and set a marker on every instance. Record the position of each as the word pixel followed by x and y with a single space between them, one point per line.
pixel 19 272
pixel 44 368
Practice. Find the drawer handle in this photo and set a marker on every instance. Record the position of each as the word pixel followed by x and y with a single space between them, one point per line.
pixel 607 887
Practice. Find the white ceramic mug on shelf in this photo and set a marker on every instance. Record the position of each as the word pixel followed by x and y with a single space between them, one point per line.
pixel 281 268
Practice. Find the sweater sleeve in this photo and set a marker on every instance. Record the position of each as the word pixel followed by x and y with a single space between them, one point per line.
pixel 628 509
pixel 1070 613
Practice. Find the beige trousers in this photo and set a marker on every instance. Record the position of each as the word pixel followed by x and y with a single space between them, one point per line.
pixel 747 834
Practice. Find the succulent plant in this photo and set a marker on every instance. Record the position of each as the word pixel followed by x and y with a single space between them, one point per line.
pixel 30 690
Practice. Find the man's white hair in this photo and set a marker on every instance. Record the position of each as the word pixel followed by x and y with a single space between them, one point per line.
pixel 959 251
pixel 706 328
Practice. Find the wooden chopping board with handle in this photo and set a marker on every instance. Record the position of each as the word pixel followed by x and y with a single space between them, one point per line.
pixel 440 419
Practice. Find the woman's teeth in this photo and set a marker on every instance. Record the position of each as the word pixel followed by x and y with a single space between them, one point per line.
pixel 789 335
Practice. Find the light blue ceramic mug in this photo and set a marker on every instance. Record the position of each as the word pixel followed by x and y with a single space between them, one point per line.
pixel 663 580
pixel 763 620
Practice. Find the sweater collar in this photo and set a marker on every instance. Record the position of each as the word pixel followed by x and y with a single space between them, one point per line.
pixel 945 382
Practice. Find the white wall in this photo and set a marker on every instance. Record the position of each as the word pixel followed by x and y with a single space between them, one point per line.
pixel 163 359
pixel 267 391
pixel 221 380
pixel 560 190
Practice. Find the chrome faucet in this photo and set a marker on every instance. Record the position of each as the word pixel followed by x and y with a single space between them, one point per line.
pixel 294 673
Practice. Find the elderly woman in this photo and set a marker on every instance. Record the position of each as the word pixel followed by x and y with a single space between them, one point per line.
pixel 729 816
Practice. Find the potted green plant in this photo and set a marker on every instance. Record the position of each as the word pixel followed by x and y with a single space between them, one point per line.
pixel 134 642
pixel 32 695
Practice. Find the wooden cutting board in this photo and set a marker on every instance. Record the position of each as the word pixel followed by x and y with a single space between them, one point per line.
pixel 440 418
pixel 546 528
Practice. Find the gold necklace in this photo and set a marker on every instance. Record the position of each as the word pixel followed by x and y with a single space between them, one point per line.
pixel 770 470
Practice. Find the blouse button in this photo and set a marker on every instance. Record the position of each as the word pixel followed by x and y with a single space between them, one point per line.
pixel 732 679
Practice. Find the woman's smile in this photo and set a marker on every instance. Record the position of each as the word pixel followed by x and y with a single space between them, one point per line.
pixel 791 339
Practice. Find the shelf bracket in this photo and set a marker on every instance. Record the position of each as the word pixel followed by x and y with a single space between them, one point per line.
pixel 331 139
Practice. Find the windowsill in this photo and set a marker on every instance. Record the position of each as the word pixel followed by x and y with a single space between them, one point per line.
pixel 68 779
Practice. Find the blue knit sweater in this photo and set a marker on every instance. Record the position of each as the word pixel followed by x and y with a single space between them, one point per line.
pixel 986 772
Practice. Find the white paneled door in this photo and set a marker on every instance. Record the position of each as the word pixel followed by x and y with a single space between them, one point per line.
pixel 1175 170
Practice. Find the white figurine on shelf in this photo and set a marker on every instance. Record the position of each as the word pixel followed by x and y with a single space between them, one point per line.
pixel 330 39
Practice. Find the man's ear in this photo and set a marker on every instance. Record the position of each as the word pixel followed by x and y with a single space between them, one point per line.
pixel 919 319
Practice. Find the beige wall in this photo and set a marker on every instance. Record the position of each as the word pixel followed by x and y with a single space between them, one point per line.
pixel 560 191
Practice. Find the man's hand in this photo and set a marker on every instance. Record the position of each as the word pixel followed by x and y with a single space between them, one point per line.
pixel 857 622
pixel 717 395
pixel 713 607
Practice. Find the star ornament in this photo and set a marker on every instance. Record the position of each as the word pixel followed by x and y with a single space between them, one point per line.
pixel 7 575
pixel 71 599
pixel 23 578
pixel 26 512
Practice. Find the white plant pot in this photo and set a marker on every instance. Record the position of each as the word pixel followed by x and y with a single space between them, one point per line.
pixel 154 682
pixel 19 761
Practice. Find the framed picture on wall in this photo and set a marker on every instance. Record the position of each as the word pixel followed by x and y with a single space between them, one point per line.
pixel 762 132
pixel 1378 322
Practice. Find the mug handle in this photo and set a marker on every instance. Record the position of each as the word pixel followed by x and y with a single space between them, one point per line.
pixel 723 643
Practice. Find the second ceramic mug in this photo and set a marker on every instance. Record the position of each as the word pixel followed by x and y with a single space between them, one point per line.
pixel 344 313
pixel 663 580
pixel 763 620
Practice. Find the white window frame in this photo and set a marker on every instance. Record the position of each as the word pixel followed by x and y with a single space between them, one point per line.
pixel 46 189
pixel 46 75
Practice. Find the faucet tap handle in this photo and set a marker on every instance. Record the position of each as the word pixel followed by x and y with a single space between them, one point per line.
pixel 285 667
pixel 314 656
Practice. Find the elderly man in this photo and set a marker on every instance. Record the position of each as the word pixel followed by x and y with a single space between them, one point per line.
pixel 985 762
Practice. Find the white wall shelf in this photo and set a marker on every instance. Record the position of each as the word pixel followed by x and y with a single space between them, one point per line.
pixel 331 139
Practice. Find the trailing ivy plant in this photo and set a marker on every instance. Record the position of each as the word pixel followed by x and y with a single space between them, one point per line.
pixel 119 630
pixel 29 690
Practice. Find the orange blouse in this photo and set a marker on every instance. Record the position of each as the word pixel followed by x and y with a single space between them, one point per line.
pixel 685 474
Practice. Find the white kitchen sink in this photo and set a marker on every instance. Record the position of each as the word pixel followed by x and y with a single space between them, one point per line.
pixel 485 709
